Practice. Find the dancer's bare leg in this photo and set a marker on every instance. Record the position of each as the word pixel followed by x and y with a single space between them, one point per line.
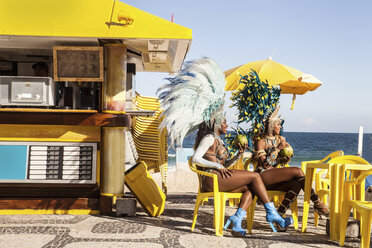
pixel 238 179
pixel 247 196
pixel 277 175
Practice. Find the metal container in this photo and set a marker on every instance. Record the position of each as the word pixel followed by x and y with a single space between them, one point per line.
pixel 27 91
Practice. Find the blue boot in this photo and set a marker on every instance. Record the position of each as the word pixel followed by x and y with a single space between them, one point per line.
pixel 236 219
pixel 273 216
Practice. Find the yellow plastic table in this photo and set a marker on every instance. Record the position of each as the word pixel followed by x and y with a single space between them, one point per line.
pixel 337 178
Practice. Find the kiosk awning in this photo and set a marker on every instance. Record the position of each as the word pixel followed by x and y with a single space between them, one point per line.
pixel 36 26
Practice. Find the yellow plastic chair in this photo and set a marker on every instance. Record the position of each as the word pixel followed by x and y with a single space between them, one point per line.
pixel 219 199
pixel 239 165
pixel 364 208
pixel 277 197
pixel 336 202
pixel 321 184
pixel 150 142
pixel 324 160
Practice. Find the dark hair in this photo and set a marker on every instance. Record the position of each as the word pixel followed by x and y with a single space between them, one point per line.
pixel 204 129
pixel 266 125
pixel 40 65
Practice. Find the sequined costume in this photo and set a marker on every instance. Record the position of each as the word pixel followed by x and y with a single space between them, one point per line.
pixel 222 158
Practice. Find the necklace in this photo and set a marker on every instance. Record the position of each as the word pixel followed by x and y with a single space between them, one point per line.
pixel 270 137
pixel 218 138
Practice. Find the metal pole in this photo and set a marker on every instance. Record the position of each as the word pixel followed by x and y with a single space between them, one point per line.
pixel 360 141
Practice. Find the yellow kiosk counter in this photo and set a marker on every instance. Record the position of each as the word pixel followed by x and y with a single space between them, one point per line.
pixel 50 161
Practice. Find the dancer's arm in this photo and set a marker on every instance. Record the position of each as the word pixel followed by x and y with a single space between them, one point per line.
pixel 283 160
pixel 230 162
pixel 201 150
pixel 283 143
pixel 261 154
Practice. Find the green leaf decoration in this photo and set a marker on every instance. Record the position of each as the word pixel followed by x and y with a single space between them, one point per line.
pixel 255 101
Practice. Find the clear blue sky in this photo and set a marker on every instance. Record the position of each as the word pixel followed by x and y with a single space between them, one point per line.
pixel 330 39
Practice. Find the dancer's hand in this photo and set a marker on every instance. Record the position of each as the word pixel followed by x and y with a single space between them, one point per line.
pixel 242 149
pixel 225 173
pixel 282 145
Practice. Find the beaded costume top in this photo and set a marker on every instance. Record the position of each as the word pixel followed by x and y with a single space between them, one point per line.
pixel 271 151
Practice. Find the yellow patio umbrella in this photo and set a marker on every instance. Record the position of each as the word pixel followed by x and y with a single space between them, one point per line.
pixel 305 83
pixel 291 80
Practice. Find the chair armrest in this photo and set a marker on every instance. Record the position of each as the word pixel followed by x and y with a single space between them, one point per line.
pixel 349 184
pixel 360 179
pixel 334 154
pixel 208 174
pixel 329 156
pixel 247 163
pixel 321 172
pixel 303 164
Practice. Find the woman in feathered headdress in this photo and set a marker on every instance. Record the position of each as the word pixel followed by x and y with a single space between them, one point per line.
pixel 192 100
pixel 257 103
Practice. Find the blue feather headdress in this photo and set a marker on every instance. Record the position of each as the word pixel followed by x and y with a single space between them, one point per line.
pixel 256 102
pixel 195 95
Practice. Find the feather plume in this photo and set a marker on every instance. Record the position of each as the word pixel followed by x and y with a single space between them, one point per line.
pixel 194 95
pixel 256 102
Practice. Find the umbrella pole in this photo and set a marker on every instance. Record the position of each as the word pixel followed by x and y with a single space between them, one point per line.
pixel 293 101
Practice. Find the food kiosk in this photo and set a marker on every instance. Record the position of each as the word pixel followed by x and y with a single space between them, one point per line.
pixel 66 73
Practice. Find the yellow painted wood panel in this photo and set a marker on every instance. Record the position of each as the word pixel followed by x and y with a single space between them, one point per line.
pixel 38 110
pixel 50 133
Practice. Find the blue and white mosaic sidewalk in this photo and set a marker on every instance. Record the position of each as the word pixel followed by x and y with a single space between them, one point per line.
pixel 171 229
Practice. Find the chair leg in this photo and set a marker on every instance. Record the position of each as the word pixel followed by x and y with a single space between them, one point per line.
pixel 217 213
pixel 316 219
pixel 294 209
pixel 318 186
pixel 222 214
pixel 250 214
pixel 345 213
pixel 366 229
pixel 323 198
pixel 276 200
pixel 198 201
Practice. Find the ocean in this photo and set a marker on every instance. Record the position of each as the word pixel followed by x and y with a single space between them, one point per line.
pixel 308 146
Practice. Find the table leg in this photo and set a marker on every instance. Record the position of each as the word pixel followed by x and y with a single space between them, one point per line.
pixel 337 178
pixel 308 184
